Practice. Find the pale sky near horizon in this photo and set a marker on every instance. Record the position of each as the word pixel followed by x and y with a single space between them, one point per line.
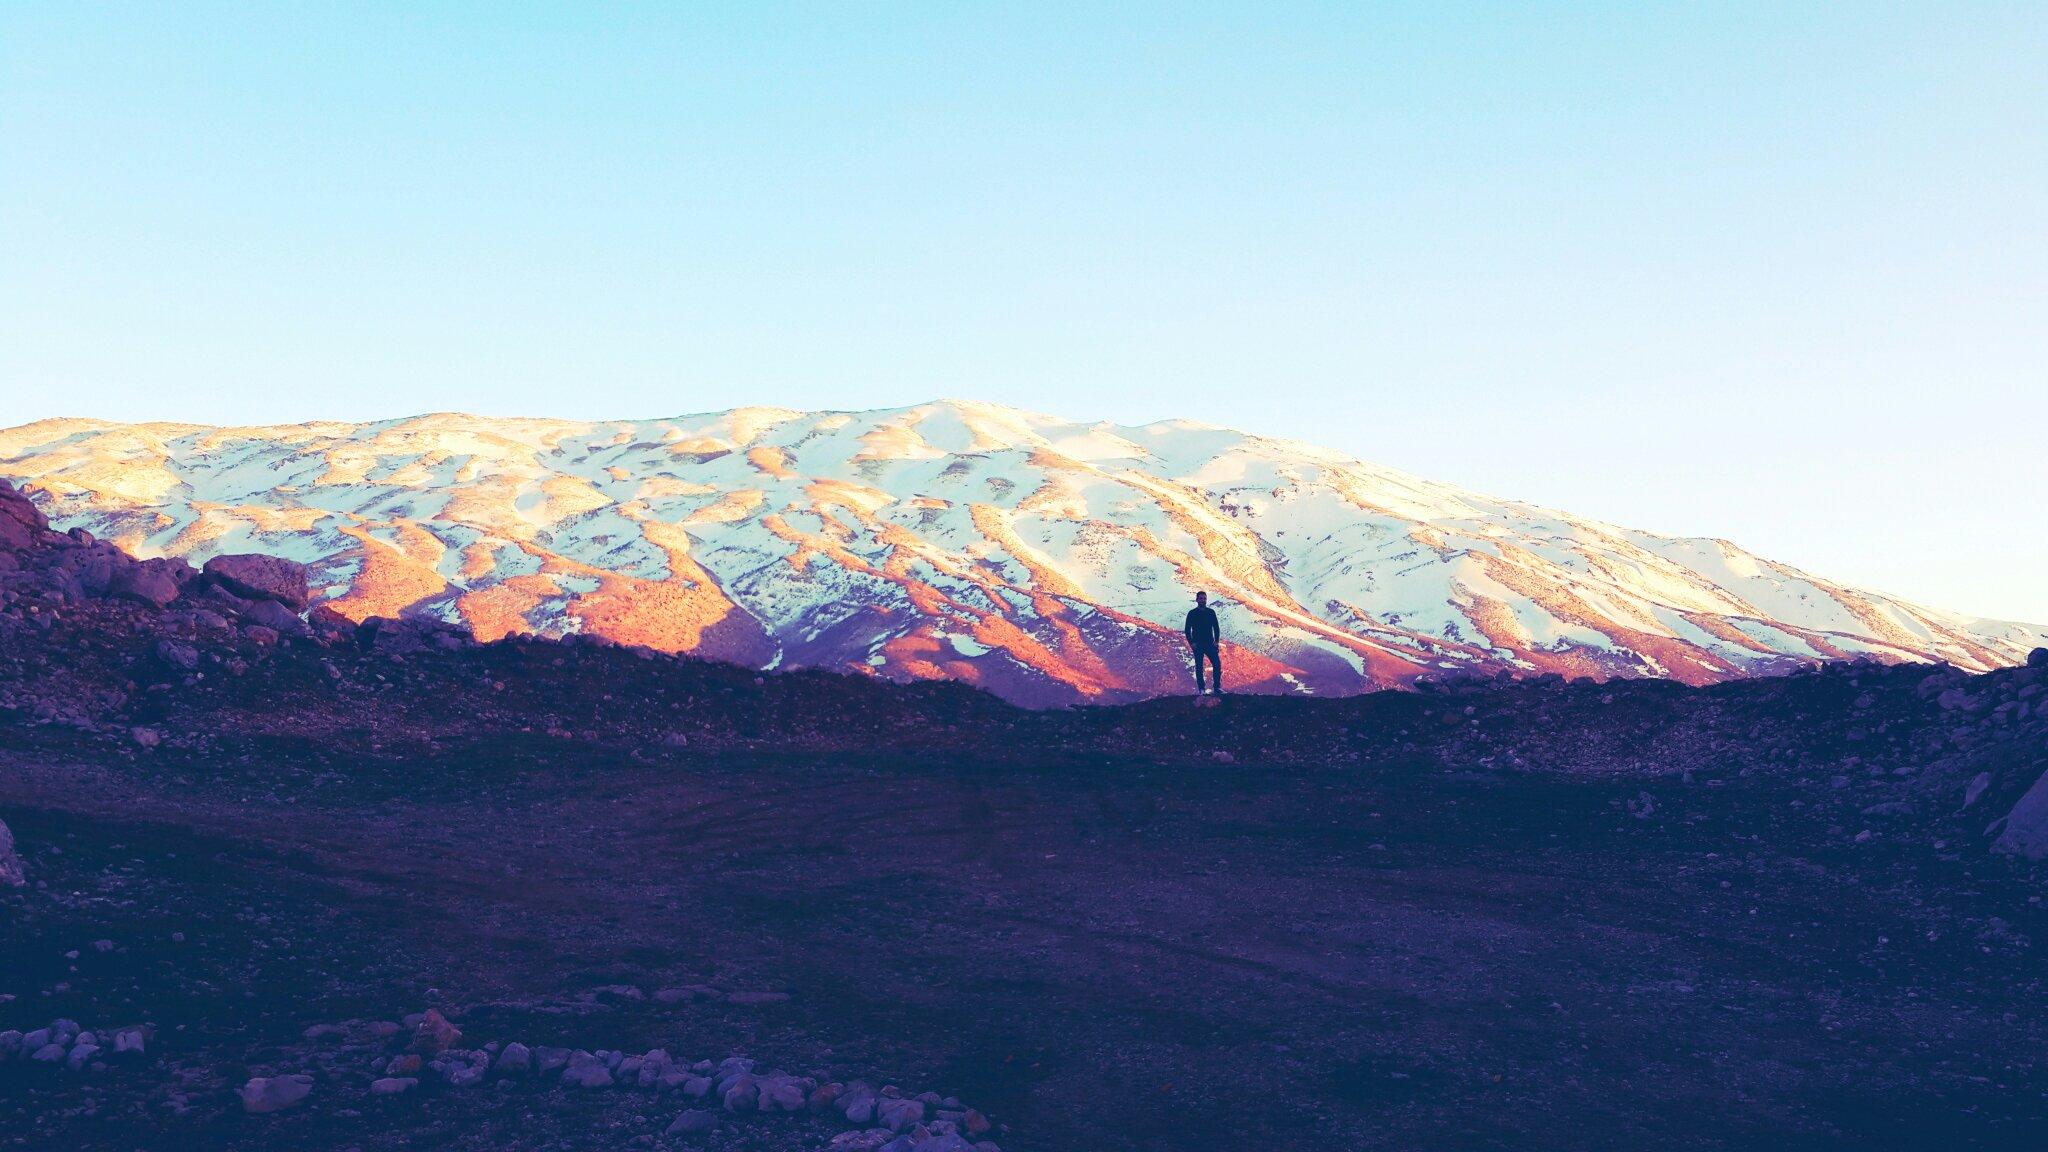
pixel 1772 272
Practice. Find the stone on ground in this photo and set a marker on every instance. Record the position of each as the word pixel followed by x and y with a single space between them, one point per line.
pixel 276 1093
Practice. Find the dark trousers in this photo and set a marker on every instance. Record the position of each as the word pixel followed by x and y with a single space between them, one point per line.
pixel 1214 655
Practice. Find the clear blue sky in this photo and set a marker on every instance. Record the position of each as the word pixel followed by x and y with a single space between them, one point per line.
pixel 1772 271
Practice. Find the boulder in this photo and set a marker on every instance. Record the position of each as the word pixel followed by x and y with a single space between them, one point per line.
pixel 270 614
pixel 21 522
pixel 2026 827
pixel 276 1093
pixel 256 576
pixel 743 1096
pixel 434 1034
pixel 515 1060
pixel 859 1106
pixel 897 1115
pixel 154 582
pixel 393 1085
pixel 781 1096
pixel 328 621
pixel 586 1071
pixel 2038 658
pixel 12 875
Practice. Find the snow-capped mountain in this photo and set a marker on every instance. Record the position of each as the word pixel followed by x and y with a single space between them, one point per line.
pixel 1048 561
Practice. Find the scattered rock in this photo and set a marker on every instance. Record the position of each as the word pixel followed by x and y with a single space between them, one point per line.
pixel 12 874
pixel 276 1093
pixel 586 1071
pixel 897 1115
pixel 434 1034
pixel 515 1060
pixel 393 1086
pixel 693 1121
pixel 1976 789
pixel 2026 826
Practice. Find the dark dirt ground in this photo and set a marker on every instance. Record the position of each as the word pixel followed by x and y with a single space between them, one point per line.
pixel 1103 948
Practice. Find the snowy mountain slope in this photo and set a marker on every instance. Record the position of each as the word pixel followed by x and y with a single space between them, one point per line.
pixel 1046 560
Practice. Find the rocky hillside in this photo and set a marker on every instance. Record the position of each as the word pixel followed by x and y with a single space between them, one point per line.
pixel 1044 560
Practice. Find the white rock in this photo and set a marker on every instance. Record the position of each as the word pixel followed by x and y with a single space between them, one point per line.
pixel 11 873
pixel 1976 789
pixel 2026 827
pixel 276 1093
pixel 515 1060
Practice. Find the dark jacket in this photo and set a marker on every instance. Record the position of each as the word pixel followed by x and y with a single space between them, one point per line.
pixel 1201 628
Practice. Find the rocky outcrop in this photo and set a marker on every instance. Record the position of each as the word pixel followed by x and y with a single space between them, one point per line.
pixel 22 524
pixel 121 623
pixel 78 566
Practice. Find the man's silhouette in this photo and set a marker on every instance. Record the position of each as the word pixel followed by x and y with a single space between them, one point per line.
pixel 1205 637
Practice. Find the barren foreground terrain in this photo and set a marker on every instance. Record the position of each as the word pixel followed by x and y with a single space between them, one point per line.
pixel 1095 949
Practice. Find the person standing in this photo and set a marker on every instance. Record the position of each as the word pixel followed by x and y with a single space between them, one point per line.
pixel 1205 638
